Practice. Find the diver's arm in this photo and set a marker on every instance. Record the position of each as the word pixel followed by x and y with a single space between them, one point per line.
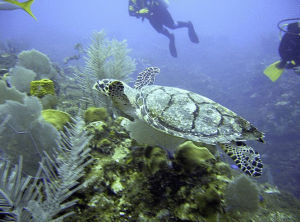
pixel 134 10
pixel 287 49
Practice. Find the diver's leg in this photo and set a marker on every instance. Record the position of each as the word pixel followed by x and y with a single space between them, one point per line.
pixel 157 25
pixel 168 21
pixel 191 31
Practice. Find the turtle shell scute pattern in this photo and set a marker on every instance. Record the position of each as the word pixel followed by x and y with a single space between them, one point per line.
pixel 189 115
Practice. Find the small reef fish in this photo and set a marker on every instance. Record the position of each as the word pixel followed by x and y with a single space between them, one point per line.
pixel 13 4
pixel 3 71
pixel 6 54
pixel 234 167
pixel 270 190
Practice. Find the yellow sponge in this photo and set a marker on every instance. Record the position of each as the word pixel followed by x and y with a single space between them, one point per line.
pixel 40 88
pixel 57 118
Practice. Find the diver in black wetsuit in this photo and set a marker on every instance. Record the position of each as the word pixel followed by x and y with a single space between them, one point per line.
pixel 289 48
pixel 159 17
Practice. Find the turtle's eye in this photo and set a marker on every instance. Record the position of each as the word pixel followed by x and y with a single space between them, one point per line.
pixel 101 86
pixel 109 87
pixel 116 88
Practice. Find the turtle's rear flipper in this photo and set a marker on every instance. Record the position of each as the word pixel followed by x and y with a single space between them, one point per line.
pixel 245 157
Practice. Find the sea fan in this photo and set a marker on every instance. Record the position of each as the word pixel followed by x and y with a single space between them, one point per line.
pixel 41 198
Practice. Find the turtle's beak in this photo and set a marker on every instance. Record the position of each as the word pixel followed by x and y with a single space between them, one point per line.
pixel 95 87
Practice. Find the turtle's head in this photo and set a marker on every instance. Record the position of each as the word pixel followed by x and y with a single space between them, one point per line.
pixel 109 87
pixel 120 93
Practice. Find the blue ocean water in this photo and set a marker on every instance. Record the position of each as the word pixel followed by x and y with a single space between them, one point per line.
pixel 238 40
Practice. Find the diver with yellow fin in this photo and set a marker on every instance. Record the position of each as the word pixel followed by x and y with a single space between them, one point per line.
pixel 13 4
pixel 289 50
pixel 159 17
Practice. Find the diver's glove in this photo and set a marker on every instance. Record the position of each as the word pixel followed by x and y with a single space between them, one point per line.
pixel 297 69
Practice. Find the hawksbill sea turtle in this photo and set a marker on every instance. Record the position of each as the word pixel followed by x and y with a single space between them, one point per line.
pixel 183 114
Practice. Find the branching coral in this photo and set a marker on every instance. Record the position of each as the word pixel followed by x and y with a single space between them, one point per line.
pixel 105 59
pixel 108 58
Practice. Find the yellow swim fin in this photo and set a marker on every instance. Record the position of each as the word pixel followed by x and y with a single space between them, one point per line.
pixel 273 72
pixel 24 5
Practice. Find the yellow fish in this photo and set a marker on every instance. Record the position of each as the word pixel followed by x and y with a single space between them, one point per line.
pixel 13 4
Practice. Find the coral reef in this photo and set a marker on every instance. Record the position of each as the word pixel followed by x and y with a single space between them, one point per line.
pixel 130 181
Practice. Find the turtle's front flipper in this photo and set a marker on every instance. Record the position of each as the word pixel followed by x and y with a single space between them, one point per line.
pixel 245 157
pixel 146 77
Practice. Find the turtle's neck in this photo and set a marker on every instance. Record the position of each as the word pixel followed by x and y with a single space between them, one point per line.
pixel 124 102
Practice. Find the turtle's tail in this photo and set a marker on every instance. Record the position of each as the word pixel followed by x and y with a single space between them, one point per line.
pixel 245 157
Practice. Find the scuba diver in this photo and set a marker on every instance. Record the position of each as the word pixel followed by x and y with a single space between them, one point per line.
pixel 159 17
pixel 289 50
